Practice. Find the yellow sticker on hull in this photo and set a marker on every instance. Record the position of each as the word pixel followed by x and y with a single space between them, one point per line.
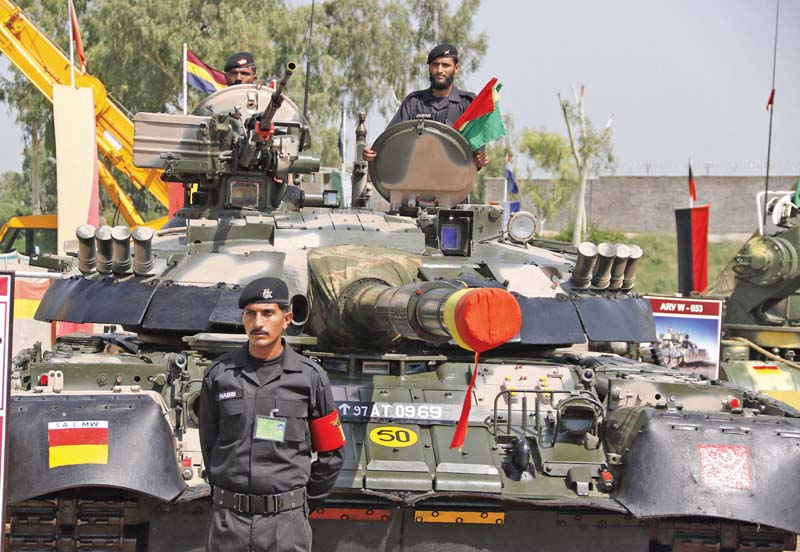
pixel 393 436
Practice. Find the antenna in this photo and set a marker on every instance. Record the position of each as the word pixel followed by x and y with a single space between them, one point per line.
pixel 771 107
pixel 308 62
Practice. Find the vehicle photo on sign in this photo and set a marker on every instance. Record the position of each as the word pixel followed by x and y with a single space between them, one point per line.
pixel 688 332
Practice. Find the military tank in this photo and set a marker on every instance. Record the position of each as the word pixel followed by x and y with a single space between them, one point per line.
pixel 569 446
pixel 678 350
pixel 761 324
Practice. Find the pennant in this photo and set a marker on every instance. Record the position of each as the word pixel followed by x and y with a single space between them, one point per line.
pixel 771 100
pixel 203 77
pixel 76 36
pixel 692 185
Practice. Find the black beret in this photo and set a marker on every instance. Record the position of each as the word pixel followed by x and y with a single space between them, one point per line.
pixel 240 59
pixel 264 290
pixel 443 50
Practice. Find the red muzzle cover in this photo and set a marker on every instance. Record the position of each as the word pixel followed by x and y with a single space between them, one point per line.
pixel 327 433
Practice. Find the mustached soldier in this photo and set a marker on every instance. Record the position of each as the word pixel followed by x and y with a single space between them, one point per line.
pixel 263 409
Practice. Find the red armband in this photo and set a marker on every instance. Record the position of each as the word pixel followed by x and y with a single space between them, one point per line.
pixel 327 433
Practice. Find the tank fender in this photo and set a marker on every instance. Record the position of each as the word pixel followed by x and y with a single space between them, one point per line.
pixel 62 441
pixel 716 465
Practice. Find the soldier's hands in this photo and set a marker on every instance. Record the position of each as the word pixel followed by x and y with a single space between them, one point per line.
pixel 481 159
pixel 369 154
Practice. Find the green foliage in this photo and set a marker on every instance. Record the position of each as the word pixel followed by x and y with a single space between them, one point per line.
pixel 365 54
pixel 549 152
pixel 594 147
pixel 14 192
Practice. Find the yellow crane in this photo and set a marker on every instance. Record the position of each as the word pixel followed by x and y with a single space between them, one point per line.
pixel 44 64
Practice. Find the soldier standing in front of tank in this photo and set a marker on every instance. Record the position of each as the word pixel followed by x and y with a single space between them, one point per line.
pixel 262 410
pixel 442 101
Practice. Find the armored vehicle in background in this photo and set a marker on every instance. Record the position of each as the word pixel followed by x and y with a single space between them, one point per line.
pixel 761 325
pixel 568 448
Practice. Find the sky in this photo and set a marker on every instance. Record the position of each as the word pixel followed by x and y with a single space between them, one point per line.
pixel 683 78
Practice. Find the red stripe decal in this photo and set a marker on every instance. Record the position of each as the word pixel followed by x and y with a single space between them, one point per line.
pixel 82 436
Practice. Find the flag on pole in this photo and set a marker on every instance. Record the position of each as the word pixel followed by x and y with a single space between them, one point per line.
pixel 692 185
pixel 482 122
pixel 771 100
pixel 76 34
pixel 692 229
pixel 511 180
pixel 203 77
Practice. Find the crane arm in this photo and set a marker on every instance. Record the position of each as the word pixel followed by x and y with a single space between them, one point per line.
pixel 44 64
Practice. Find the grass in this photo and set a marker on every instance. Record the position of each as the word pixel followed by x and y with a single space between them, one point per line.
pixel 658 270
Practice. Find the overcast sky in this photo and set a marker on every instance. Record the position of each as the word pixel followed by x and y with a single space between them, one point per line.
pixel 683 78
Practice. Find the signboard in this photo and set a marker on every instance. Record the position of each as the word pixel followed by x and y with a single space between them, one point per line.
pixel 6 308
pixel 689 332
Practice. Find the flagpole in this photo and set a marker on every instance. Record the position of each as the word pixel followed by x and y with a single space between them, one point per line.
pixel 505 172
pixel 185 85
pixel 691 199
pixel 71 45
pixel 344 141
pixel 771 107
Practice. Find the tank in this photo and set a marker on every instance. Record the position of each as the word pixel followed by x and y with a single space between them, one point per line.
pixel 761 324
pixel 678 351
pixel 570 445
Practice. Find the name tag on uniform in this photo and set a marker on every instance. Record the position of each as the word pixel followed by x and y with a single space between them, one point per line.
pixel 227 395
pixel 269 429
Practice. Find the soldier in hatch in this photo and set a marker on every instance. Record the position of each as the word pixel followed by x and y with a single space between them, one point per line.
pixel 442 101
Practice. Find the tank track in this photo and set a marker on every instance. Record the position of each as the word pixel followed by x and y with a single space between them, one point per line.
pixel 72 524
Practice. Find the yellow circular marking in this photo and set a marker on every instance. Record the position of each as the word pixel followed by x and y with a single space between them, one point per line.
pixel 393 436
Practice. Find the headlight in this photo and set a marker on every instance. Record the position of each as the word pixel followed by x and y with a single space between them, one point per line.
pixel 521 226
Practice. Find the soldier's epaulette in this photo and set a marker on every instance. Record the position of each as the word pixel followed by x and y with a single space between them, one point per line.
pixel 465 94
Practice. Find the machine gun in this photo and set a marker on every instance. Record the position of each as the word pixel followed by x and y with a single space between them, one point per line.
pixel 238 153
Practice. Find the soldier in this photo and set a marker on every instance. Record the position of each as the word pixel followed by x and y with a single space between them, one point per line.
pixel 240 69
pixel 262 410
pixel 442 101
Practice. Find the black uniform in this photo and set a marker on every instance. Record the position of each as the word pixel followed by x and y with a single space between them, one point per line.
pixel 423 103
pixel 242 466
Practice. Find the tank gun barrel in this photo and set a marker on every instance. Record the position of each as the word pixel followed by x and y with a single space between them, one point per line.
pixel 435 312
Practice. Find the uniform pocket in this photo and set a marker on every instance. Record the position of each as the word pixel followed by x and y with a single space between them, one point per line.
pixel 296 414
pixel 231 420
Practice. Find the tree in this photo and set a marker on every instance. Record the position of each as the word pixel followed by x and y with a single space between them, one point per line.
pixel 591 151
pixel 551 153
